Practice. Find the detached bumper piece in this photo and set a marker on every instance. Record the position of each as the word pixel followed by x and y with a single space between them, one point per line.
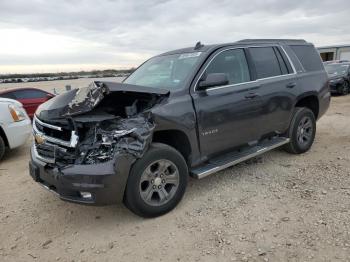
pixel 98 184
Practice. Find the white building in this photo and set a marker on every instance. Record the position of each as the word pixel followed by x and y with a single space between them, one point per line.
pixel 335 52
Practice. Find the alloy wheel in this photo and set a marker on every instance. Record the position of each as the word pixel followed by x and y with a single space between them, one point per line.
pixel 305 129
pixel 159 182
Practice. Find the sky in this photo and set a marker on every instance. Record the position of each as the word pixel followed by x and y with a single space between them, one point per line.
pixel 73 35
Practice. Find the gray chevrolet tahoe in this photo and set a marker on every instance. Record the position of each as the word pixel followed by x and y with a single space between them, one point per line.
pixel 188 112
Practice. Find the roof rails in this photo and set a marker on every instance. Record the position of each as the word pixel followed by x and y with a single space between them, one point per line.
pixel 284 41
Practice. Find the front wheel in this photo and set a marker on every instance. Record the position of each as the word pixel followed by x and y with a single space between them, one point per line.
pixel 302 131
pixel 157 181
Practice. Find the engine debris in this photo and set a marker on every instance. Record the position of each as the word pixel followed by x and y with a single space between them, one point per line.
pixel 127 135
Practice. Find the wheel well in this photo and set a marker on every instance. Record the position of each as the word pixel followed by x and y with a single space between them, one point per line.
pixel 2 134
pixel 310 102
pixel 176 139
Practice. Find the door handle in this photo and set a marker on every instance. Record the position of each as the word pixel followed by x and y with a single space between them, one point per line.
pixel 251 95
pixel 291 85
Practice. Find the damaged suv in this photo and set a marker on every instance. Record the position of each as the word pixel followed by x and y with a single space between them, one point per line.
pixel 193 111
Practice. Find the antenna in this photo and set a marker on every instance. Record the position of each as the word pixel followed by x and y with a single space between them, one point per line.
pixel 198 45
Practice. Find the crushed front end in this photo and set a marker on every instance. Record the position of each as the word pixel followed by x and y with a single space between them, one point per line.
pixel 84 148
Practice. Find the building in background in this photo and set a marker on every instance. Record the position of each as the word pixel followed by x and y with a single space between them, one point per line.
pixel 335 52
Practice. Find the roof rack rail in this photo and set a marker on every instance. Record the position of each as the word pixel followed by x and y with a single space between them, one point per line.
pixel 285 41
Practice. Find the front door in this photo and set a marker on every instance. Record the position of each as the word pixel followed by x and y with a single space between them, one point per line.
pixel 228 116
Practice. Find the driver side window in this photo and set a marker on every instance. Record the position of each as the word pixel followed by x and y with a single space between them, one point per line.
pixel 233 63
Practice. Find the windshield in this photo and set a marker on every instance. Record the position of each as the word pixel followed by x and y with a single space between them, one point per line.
pixel 336 69
pixel 168 72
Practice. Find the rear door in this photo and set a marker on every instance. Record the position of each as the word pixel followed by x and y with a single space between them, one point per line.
pixel 228 116
pixel 278 87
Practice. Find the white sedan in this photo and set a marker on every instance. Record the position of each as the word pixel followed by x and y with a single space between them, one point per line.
pixel 15 125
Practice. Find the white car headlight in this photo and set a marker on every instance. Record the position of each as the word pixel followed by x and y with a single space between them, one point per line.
pixel 17 113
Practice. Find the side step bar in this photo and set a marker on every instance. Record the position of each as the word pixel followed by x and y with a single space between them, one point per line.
pixel 233 158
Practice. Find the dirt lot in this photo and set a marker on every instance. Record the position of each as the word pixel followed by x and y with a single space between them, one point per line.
pixel 279 207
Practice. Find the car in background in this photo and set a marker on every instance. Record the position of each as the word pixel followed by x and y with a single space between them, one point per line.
pixel 15 125
pixel 339 77
pixel 335 61
pixel 31 98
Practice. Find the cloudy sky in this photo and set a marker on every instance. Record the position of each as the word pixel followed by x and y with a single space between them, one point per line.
pixel 64 35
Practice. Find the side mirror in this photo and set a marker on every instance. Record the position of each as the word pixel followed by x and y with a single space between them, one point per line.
pixel 213 79
pixel 49 96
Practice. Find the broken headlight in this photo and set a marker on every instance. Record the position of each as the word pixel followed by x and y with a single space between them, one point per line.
pixel 107 138
pixel 99 155
pixel 104 146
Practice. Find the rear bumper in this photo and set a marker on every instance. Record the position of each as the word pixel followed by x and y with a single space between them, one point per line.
pixel 98 184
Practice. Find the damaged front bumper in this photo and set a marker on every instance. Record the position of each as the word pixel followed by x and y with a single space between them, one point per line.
pixel 93 170
pixel 86 141
pixel 98 184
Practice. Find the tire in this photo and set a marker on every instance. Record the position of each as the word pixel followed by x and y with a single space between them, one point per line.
pixel 157 181
pixel 344 89
pixel 301 131
pixel 2 148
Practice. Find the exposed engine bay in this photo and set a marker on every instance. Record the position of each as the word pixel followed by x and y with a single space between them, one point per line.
pixel 105 121
pixel 103 139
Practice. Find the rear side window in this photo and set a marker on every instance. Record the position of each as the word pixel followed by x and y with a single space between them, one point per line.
pixel 266 62
pixel 233 63
pixel 30 93
pixel 308 57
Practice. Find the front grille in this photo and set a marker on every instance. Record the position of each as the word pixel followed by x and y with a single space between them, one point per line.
pixel 45 150
pixel 52 140
pixel 63 134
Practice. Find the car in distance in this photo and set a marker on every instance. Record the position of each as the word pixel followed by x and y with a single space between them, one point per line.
pixel 193 111
pixel 339 77
pixel 31 98
pixel 15 125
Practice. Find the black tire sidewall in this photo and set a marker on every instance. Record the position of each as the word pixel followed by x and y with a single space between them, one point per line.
pixel 2 148
pixel 344 89
pixel 299 114
pixel 133 198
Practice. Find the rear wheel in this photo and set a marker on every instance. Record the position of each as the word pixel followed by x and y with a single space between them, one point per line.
pixel 2 148
pixel 156 182
pixel 302 131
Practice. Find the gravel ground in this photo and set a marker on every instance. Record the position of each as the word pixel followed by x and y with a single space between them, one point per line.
pixel 278 207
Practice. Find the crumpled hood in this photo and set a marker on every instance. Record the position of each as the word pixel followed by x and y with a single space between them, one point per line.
pixel 83 100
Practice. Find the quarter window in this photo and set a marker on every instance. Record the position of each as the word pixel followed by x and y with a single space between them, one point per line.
pixel 266 62
pixel 308 56
pixel 233 63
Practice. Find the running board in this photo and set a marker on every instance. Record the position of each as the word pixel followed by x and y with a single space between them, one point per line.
pixel 233 158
